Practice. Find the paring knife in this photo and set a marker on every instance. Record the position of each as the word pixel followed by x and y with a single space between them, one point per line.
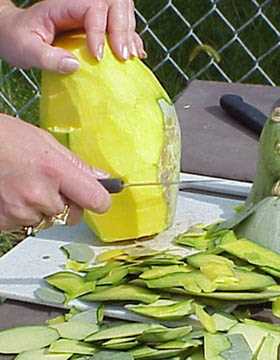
pixel 243 112
pixel 206 186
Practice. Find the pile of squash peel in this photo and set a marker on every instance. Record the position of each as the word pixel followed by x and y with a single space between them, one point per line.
pixel 194 307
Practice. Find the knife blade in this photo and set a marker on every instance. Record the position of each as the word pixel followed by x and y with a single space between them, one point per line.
pixel 206 186
pixel 116 185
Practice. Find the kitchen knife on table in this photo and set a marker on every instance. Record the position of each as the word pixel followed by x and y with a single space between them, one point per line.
pixel 243 112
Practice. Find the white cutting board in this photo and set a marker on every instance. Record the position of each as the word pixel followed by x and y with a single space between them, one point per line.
pixel 23 268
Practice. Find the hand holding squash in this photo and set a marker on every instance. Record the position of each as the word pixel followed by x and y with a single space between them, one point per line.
pixel 34 29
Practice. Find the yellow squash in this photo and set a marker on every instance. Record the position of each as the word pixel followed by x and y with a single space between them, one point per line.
pixel 116 116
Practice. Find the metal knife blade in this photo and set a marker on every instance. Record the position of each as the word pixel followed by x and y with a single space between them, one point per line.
pixel 206 186
pixel 116 185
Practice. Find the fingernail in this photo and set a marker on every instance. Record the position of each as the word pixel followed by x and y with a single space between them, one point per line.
pixel 100 52
pixel 68 65
pixel 125 52
pixel 144 54
pixel 100 174
pixel 134 50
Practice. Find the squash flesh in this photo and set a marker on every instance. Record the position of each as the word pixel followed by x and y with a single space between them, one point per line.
pixel 117 117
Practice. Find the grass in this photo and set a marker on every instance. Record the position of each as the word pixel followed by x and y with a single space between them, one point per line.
pixel 8 241
pixel 20 93
pixel 235 62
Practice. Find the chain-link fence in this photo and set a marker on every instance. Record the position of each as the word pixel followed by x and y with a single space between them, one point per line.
pixel 245 34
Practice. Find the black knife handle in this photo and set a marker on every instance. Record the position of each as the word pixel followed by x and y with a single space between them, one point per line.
pixel 112 185
pixel 243 112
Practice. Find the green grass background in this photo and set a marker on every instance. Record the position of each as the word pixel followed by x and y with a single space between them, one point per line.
pixel 258 37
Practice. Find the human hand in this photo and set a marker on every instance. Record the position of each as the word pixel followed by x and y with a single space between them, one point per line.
pixel 38 176
pixel 26 35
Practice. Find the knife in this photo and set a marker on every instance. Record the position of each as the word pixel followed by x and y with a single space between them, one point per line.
pixel 206 186
pixel 243 112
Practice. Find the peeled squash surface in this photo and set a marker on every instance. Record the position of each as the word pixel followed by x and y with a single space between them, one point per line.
pixel 117 117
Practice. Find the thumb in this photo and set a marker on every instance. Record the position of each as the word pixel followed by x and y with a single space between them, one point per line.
pixel 82 187
pixel 48 57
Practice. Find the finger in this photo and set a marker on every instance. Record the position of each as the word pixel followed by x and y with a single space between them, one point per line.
pixel 99 174
pixel 77 181
pixel 14 211
pixel 41 193
pixel 17 216
pixel 139 46
pixel 75 213
pixel 45 56
pixel 49 204
pixel 82 188
pixel 118 27
pixel 95 26
pixel 131 30
pixel 133 48
pixel 85 191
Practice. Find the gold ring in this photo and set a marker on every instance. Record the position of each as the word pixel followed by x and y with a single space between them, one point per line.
pixel 46 222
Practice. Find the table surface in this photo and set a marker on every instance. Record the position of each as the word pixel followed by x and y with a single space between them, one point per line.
pixel 212 144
